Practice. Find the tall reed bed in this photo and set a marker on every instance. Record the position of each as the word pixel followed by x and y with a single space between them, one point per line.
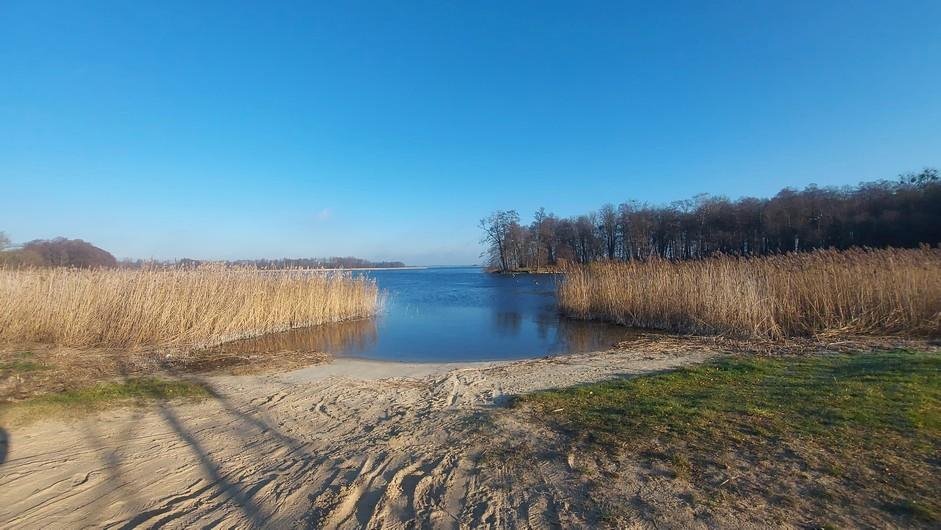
pixel 172 307
pixel 824 292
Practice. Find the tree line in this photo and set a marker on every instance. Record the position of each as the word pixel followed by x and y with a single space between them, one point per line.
pixel 62 252
pixel 346 262
pixel 58 252
pixel 902 213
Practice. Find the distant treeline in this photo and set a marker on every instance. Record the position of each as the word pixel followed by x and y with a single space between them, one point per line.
pixel 62 252
pixel 58 252
pixel 903 213
pixel 280 264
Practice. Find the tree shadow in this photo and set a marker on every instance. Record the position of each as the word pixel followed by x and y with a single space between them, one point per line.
pixel 4 445
pixel 246 504
pixel 213 471
pixel 109 455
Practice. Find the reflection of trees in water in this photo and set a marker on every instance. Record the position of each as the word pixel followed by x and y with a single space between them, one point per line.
pixel 579 335
pixel 546 321
pixel 354 335
pixel 507 322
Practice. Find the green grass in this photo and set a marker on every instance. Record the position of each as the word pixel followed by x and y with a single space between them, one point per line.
pixel 841 414
pixel 826 396
pixel 137 390
pixel 21 362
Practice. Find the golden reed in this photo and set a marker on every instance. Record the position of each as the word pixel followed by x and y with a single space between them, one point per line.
pixel 891 291
pixel 184 308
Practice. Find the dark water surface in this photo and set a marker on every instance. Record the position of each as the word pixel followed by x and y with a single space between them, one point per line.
pixel 454 314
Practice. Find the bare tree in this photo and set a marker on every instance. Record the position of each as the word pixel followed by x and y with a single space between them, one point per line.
pixel 608 227
pixel 498 229
pixel 901 213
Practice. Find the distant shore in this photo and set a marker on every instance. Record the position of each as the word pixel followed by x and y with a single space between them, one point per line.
pixel 375 268
pixel 351 269
pixel 526 271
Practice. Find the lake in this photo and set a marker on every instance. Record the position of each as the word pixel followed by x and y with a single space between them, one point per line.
pixel 445 314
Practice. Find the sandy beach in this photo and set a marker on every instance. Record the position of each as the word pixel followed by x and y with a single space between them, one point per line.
pixel 348 444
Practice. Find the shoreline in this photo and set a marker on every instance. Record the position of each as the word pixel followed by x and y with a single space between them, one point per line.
pixel 341 444
pixel 525 271
pixel 417 267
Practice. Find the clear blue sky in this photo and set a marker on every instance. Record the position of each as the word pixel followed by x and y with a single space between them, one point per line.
pixel 387 129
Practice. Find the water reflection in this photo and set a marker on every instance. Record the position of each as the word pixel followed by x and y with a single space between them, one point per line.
pixel 507 323
pixel 451 314
pixel 356 335
pixel 578 336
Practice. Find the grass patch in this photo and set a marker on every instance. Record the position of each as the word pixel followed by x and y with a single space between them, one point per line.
pixel 136 390
pixel 871 422
pixel 827 396
pixel 21 362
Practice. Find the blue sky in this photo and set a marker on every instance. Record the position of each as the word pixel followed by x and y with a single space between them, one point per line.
pixel 387 129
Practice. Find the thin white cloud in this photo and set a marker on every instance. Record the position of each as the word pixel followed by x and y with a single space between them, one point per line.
pixel 324 214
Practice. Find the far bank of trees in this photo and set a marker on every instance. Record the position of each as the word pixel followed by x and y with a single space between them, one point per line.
pixel 279 264
pixel 904 213
pixel 75 253
pixel 58 252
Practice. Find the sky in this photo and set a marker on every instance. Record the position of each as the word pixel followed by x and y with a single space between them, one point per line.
pixel 386 130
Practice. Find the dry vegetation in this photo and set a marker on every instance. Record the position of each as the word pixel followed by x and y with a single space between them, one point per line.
pixel 823 292
pixel 184 308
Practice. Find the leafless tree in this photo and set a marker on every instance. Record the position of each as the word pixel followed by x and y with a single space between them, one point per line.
pixel 901 213
pixel 498 230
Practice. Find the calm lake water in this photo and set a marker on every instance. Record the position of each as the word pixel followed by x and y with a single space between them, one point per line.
pixel 453 314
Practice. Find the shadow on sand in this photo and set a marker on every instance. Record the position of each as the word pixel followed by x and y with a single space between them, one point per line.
pixel 4 445
pixel 234 490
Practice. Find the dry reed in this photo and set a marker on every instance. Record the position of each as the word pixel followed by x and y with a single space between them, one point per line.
pixel 825 292
pixel 186 308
